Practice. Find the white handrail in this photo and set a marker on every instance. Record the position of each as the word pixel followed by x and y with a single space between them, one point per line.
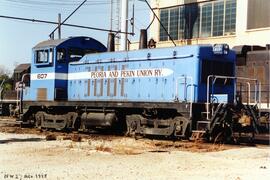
pixel 248 92
pixel 186 86
pixel 228 77
pixel 21 90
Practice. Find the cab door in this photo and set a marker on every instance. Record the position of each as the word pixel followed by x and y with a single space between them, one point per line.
pixel 61 74
pixel 64 55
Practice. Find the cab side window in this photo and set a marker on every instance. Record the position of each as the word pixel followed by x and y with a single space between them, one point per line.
pixel 44 56
pixel 61 55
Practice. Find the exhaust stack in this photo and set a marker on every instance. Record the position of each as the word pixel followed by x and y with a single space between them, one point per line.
pixel 143 39
pixel 111 42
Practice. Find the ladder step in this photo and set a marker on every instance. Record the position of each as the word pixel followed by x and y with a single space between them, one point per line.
pixel 203 125
pixel 198 131
pixel 197 135
pixel 205 122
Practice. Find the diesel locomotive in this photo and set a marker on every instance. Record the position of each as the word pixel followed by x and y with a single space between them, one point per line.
pixel 254 62
pixel 183 92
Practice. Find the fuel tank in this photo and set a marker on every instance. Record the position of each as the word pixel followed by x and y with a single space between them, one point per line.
pixel 98 119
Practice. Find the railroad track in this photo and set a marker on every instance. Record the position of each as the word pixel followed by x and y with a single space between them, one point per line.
pixel 8 121
pixel 10 125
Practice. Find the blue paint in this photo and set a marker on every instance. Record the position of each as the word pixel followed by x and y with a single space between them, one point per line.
pixel 57 67
pixel 147 75
pixel 186 62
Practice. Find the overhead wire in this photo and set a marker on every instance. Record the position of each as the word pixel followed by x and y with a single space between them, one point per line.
pixel 46 5
pixel 63 11
pixel 9 4
pixel 65 24
pixel 58 27
pixel 56 3
pixel 154 17
pixel 160 22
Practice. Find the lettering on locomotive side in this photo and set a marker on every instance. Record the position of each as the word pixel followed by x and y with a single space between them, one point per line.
pixel 144 72
pixel 42 76
pixel 110 74
pixel 98 75
pixel 113 74
pixel 128 73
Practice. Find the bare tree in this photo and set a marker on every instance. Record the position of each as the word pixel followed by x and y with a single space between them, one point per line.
pixel 5 80
pixel 4 71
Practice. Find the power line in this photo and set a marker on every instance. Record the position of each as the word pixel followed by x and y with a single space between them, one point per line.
pixel 160 22
pixel 58 27
pixel 46 9
pixel 65 24
pixel 54 3
pixel 62 8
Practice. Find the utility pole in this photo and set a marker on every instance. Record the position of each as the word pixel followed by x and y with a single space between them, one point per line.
pixel 59 26
pixel 111 25
pixel 61 23
pixel 124 25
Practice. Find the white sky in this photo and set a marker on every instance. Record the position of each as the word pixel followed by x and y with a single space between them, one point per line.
pixel 18 37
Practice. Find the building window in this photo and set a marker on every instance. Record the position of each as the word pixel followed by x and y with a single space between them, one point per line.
pixel 196 28
pixel 258 14
pixel 181 30
pixel 206 20
pixel 174 18
pixel 230 17
pixel 217 18
pixel 164 18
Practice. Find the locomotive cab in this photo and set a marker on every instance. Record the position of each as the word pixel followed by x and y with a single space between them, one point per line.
pixel 49 71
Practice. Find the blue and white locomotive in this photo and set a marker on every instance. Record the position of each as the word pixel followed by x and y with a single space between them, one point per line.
pixel 76 84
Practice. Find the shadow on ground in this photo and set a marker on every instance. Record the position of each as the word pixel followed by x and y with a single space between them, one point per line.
pixel 12 140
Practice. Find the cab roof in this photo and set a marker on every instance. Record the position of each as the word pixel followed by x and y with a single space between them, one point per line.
pixel 82 41
pixel 49 43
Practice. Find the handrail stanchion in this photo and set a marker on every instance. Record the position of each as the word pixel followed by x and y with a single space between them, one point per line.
pixel 248 84
pixel 21 92
pixel 257 94
pixel 186 86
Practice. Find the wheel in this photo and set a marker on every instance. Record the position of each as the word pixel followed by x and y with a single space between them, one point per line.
pixel 39 118
pixel 181 127
pixel 224 135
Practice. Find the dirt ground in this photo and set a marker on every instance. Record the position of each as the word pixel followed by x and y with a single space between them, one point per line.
pixel 26 154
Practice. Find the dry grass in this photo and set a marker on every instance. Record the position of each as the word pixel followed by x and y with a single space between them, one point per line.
pixel 76 138
pixel 51 137
pixel 188 146
pixel 120 145
pixel 127 150
pixel 103 148
pixel 71 145
pixel 66 138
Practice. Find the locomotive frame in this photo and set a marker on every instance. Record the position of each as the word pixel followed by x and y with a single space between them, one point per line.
pixel 64 95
